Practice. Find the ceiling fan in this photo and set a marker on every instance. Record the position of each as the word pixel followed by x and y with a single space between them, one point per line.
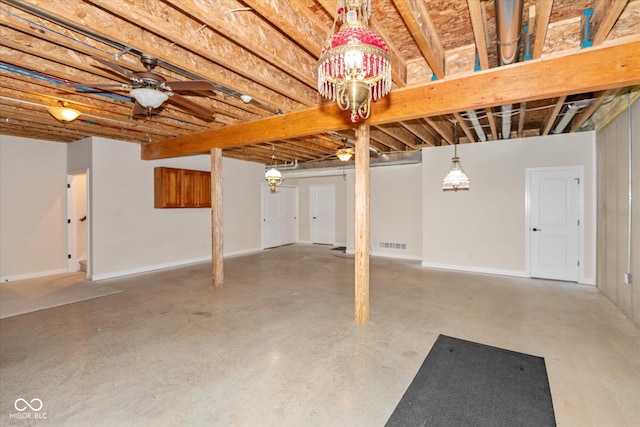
pixel 151 90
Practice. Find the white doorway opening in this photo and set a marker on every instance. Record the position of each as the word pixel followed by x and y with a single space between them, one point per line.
pixel 78 223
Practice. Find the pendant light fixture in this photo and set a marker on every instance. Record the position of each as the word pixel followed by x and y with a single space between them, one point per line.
pixel 63 113
pixel 344 154
pixel 354 64
pixel 456 179
pixel 273 175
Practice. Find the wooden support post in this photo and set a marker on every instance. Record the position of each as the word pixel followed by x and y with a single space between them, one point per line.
pixel 217 250
pixel 362 224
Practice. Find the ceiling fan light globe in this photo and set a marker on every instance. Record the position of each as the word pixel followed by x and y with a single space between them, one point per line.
pixel 149 98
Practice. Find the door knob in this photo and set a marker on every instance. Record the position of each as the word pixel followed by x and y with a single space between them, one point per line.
pixel 537 229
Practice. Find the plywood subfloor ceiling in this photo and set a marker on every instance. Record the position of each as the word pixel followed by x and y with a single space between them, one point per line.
pixel 447 83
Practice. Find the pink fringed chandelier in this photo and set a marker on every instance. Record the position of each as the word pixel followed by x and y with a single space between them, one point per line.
pixel 354 65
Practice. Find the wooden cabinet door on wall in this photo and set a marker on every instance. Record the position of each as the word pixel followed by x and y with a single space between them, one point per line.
pixel 181 188
pixel 203 190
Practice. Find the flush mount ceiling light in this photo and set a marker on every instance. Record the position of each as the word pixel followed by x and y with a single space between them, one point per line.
pixel 344 154
pixel 63 113
pixel 273 175
pixel 456 179
pixel 354 64
pixel 149 98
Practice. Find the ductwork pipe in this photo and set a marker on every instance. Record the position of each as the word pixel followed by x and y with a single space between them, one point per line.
pixel 476 125
pixel 572 109
pixel 508 28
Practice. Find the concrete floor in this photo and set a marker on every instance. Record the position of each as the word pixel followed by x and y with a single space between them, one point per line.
pixel 278 345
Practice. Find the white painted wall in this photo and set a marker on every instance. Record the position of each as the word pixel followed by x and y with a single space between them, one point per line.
pixel 483 229
pixel 127 234
pixel 33 185
pixel 395 210
pixel 242 210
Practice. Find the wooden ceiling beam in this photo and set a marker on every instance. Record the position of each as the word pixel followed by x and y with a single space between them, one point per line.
pixel 441 128
pixel 542 23
pixel 493 136
pixel 387 140
pixel 605 15
pixel 420 130
pixel 296 20
pixel 584 115
pixel 416 16
pixel 43 36
pixel 124 33
pixel 520 82
pixel 464 127
pixel 521 116
pixel 400 134
pixel 479 32
pixel 263 41
pixel 177 28
pixel 550 119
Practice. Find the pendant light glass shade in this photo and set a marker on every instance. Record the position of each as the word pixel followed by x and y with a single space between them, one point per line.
pixel 273 175
pixel 344 154
pixel 274 178
pixel 354 65
pixel 456 179
pixel 64 113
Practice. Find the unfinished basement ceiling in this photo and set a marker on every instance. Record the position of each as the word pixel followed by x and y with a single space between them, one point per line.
pixel 260 57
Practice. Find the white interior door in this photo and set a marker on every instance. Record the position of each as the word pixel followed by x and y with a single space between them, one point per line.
pixel 323 213
pixel 279 216
pixel 554 222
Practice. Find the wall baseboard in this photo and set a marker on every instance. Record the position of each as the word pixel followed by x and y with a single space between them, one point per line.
pixel 401 257
pixel 33 275
pixel 148 268
pixel 241 252
pixel 474 269
pixel 164 266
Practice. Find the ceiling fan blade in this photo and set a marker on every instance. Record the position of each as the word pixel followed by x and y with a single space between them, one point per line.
pixel 116 67
pixel 138 109
pixel 109 86
pixel 182 102
pixel 190 85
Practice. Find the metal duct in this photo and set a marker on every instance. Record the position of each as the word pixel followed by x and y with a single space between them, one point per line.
pixel 572 109
pixel 508 30
pixel 568 115
pixel 476 125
